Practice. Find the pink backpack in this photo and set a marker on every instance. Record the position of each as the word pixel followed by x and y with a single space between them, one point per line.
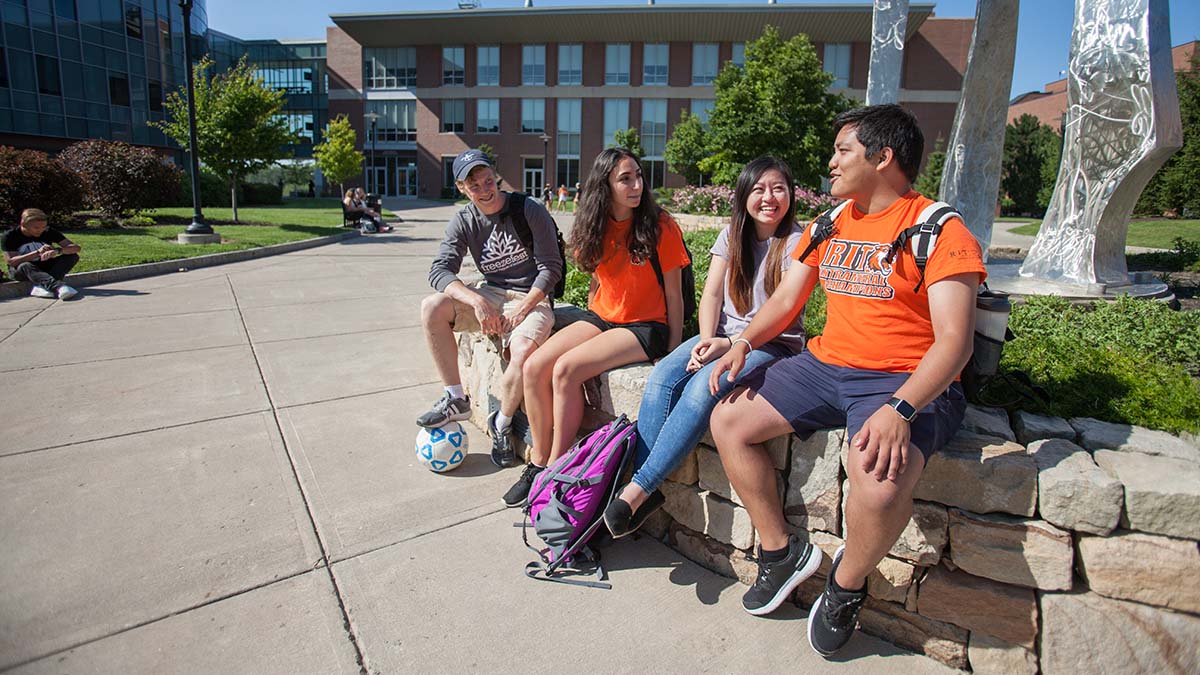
pixel 566 504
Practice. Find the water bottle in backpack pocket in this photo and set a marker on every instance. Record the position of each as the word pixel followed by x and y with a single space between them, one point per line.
pixel 992 309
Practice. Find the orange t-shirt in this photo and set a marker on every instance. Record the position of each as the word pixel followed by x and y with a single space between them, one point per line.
pixel 629 292
pixel 874 320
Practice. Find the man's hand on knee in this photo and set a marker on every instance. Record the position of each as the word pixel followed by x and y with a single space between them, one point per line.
pixel 884 444
pixel 490 318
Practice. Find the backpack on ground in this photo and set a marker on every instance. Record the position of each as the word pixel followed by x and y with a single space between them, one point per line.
pixel 687 281
pixel 367 225
pixel 567 501
pixel 516 209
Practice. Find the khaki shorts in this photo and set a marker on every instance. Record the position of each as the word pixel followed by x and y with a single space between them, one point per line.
pixel 536 326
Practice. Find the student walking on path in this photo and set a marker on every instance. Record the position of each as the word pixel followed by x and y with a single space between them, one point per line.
pixel 748 260
pixel 630 316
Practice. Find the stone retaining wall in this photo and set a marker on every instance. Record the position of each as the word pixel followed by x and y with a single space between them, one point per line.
pixel 1036 542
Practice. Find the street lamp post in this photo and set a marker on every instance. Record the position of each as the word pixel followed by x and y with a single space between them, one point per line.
pixel 373 117
pixel 545 157
pixel 198 225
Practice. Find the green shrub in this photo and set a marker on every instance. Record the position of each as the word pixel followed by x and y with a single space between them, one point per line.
pixel 1128 361
pixel 214 190
pixel 259 194
pixel 33 179
pixel 119 178
pixel 1184 256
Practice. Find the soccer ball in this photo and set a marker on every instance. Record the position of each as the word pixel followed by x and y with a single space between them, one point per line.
pixel 443 448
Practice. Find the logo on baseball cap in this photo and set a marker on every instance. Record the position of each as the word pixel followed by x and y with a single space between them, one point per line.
pixel 468 160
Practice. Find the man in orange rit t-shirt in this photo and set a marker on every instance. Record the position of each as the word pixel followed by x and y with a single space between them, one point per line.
pixel 886 366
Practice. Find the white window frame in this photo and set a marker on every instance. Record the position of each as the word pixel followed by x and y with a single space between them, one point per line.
pixel 704 62
pixel 616 64
pixel 533 65
pixel 487 56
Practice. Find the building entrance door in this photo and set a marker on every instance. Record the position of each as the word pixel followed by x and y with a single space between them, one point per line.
pixel 533 176
pixel 406 179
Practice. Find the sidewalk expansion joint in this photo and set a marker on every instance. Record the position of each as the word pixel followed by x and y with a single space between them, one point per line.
pixel 293 406
pixel 419 535
pixel 125 358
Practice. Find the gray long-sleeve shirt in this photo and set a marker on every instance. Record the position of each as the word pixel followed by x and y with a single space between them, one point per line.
pixel 498 251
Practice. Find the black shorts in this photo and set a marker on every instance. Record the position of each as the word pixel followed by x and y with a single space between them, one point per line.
pixel 812 395
pixel 651 335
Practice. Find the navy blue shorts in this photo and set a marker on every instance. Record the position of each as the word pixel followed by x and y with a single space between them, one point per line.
pixel 814 395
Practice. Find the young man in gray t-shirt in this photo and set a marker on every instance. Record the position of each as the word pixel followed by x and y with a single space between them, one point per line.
pixel 513 301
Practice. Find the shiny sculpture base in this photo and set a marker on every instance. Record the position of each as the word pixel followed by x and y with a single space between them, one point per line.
pixel 1003 275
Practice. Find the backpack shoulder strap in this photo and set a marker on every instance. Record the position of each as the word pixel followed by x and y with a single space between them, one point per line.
pixel 658 271
pixel 923 235
pixel 823 228
pixel 516 211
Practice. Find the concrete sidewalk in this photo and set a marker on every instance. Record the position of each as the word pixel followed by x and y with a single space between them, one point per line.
pixel 212 472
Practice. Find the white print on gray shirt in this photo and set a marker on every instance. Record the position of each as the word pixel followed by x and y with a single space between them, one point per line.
pixel 501 251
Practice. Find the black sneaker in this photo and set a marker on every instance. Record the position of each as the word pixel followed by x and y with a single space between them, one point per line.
pixel 620 519
pixel 777 580
pixel 833 616
pixel 503 454
pixel 519 492
pixel 447 409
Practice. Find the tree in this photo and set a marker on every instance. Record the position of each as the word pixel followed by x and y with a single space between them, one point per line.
pixel 1174 188
pixel 119 178
pixel 1028 145
pixel 31 178
pixel 687 147
pixel 929 183
pixel 336 156
pixel 630 140
pixel 777 104
pixel 490 153
pixel 239 123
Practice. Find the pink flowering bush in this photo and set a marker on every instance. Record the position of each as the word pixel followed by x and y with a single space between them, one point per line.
pixel 716 200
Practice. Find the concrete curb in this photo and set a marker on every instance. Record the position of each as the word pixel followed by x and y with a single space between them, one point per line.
pixel 16 289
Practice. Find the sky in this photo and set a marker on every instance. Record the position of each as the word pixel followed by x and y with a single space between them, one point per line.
pixel 1043 27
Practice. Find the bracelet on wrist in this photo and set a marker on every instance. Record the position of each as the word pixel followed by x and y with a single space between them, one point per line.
pixel 749 347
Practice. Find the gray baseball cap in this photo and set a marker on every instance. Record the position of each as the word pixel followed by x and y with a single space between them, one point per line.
pixel 468 160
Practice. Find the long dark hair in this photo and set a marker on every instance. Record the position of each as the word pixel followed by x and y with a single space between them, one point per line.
pixel 591 220
pixel 742 235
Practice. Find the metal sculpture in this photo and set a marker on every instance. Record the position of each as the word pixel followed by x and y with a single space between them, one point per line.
pixel 888 22
pixel 971 177
pixel 1122 122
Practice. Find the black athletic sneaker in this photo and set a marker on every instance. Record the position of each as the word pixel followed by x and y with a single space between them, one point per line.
pixel 777 580
pixel 519 492
pixel 447 409
pixel 833 616
pixel 620 519
pixel 503 454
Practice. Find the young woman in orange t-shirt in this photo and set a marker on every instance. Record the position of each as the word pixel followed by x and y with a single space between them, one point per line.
pixel 630 316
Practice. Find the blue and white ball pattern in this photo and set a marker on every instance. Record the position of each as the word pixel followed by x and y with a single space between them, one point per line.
pixel 442 449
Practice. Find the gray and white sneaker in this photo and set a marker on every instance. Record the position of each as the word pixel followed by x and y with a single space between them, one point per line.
pixel 65 292
pixel 42 292
pixel 503 454
pixel 447 409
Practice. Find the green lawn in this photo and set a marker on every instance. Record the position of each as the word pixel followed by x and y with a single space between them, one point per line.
pixel 1148 233
pixel 104 248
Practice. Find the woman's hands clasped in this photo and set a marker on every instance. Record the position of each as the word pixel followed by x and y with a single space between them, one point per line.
pixel 706 350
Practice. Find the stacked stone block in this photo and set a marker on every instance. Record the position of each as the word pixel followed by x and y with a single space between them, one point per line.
pixel 1036 543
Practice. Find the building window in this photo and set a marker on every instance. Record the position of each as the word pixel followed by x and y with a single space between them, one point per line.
pixel 47 74
pixel 118 90
pixel 300 124
pixel 155 95
pixel 489 66
pixel 453 65
pixel 453 116
pixel 569 127
pixel 701 107
pixel 616 118
pixel 533 64
pixel 570 64
pixel 837 63
pixel 392 68
pixel 398 122
pixel 133 21
pixel 533 115
pixel 654 127
pixel 739 54
pixel 616 64
pixel 704 63
pixel 655 60
pixel 448 175
pixel 653 172
pixel 568 172
pixel 488 117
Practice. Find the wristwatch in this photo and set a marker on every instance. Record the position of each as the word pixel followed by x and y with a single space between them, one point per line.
pixel 903 408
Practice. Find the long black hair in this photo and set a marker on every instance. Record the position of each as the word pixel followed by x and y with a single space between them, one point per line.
pixel 743 234
pixel 591 220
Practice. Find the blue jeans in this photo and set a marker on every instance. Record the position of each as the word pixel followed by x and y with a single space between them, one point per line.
pixel 675 410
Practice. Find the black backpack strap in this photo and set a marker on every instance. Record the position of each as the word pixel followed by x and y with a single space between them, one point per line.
pixel 658 271
pixel 923 236
pixel 516 211
pixel 822 229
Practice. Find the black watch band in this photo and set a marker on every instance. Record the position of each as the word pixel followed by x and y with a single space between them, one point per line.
pixel 903 408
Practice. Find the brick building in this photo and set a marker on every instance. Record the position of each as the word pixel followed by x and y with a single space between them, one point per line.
pixel 548 87
pixel 1049 104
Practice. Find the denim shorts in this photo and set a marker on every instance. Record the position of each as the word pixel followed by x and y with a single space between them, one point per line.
pixel 651 335
pixel 814 395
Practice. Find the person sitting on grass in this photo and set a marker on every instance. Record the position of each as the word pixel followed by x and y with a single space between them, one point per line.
pixel 41 255
pixel 749 258
pixel 512 302
pixel 886 367
pixel 630 316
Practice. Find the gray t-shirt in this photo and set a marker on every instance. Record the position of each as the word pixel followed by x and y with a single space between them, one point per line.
pixel 498 251
pixel 731 323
